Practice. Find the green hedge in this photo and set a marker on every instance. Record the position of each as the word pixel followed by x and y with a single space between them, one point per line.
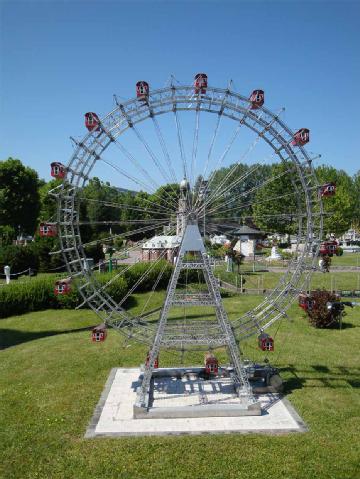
pixel 38 293
pixel 25 296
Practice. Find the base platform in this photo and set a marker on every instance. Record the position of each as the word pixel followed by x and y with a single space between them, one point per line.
pixel 114 414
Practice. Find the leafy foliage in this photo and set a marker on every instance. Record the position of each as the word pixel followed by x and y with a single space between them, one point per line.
pixel 19 196
pixel 276 203
pixel 238 183
pixel 319 315
pixel 341 207
pixel 19 258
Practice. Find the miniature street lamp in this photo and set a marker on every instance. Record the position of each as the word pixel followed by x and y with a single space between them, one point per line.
pixel 110 251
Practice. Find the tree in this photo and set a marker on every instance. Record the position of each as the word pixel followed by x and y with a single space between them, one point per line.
pixel 19 196
pixel 235 188
pixel 356 208
pixel 99 203
pixel 48 205
pixel 276 202
pixel 339 209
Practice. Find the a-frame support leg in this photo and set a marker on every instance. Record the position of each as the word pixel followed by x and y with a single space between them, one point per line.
pixel 144 392
pixel 244 388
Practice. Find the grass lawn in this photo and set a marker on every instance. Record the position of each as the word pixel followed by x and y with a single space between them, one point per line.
pixel 347 259
pixel 268 280
pixel 52 376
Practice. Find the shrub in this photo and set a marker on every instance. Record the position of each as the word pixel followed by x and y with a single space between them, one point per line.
pixel 19 258
pixel 38 294
pixel 319 314
pixel 22 297
pixel 132 275
pixel 339 251
pixel 95 252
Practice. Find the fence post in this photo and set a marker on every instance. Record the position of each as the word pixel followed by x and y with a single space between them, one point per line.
pixel 7 274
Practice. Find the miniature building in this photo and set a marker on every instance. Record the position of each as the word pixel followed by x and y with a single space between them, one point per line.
pixel 328 248
pixel 266 342
pixel 200 83
pixel 257 99
pixel 211 364
pixel 301 137
pixel 92 121
pixel 248 239
pixel 99 333
pixel 219 239
pixel 23 240
pixel 142 90
pixel 47 230
pixel 58 170
pixel 62 286
pixel 155 247
pixel 328 189
pixel 156 362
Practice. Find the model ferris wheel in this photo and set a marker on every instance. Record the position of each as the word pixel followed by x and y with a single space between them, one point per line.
pixel 157 140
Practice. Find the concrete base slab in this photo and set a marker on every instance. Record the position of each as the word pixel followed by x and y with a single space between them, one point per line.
pixel 184 392
pixel 114 414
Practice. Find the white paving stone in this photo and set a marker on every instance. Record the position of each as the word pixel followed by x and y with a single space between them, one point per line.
pixel 116 413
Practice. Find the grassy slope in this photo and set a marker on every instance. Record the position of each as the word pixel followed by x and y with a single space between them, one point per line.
pixel 335 280
pixel 52 378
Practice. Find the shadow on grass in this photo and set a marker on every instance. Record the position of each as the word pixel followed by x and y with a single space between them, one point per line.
pixel 14 337
pixel 336 377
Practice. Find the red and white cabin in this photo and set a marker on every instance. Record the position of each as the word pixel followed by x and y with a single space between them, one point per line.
pixel 265 342
pixel 328 189
pixel 301 137
pixel 156 362
pixel 58 170
pixel 211 365
pixel 99 333
pixel 92 121
pixel 328 248
pixel 200 83
pixel 62 286
pixel 47 230
pixel 257 99
pixel 142 90
pixel 305 301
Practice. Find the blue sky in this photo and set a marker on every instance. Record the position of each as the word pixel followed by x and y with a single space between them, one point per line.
pixel 61 59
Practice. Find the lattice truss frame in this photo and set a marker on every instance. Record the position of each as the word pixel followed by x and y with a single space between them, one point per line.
pixel 222 102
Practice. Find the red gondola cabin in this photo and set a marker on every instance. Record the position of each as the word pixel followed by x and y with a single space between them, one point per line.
pixel 156 362
pixel 200 83
pixel 47 230
pixel 328 248
pixel 142 90
pixel 58 170
pixel 62 286
pixel 328 189
pixel 211 365
pixel 301 137
pixel 266 342
pixel 305 301
pixel 257 99
pixel 92 121
pixel 99 333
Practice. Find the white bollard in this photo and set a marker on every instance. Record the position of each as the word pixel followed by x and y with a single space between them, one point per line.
pixel 7 274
